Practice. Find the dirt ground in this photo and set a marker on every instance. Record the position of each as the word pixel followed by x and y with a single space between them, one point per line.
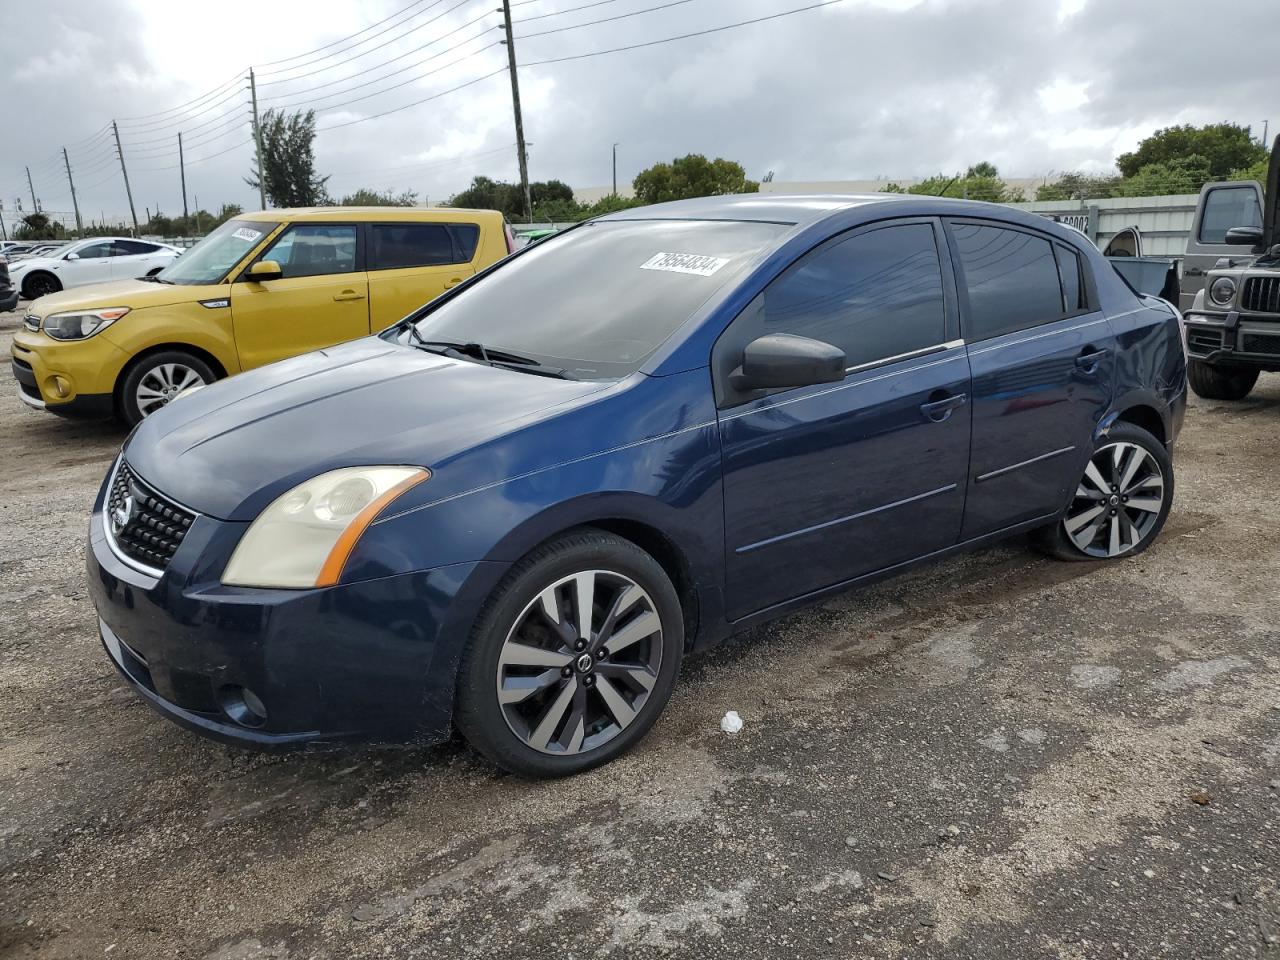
pixel 997 756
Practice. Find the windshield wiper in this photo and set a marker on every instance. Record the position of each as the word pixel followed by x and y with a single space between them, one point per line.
pixel 494 358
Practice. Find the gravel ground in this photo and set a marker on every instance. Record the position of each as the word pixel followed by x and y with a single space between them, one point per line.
pixel 999 756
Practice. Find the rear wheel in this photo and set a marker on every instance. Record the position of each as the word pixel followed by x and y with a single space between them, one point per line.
pixel 573 657
pixel 157 379
pixel 1120 503
pixel 1220 383
pixel 40 284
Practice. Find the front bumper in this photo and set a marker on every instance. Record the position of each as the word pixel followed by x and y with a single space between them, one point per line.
pixel 374 660
pixel 73 379
pixel 1233 339
pixel 8 300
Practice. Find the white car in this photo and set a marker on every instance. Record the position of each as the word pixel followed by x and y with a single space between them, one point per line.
pixel 90 261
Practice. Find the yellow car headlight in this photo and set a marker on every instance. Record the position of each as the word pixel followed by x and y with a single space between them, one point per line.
pixel 303 539
pixel 79 324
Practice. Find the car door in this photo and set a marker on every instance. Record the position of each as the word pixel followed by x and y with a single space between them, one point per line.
pixel 411 264
pixel 826 483
pixel 1043 361
pixel 90 263
pixel 1221 207
pixel 320 299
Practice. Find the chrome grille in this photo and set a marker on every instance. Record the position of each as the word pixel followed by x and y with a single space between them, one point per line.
pixel 146 527
pixel 1261 294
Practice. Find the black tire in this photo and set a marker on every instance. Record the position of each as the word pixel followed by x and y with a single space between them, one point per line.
pixel 480 716
pixel 1220 383
pixel 1055 539
pixel 127 392
pixel 39 284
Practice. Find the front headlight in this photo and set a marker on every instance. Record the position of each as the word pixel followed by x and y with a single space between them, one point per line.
pixel 81 324
pixel 1223 291
pixel 304 537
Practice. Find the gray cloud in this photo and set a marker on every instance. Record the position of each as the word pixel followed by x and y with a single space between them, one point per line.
pixel 848 92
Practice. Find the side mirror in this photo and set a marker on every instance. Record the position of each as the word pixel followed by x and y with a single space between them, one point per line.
pixel 265 270
pixel 785 360
pixel 1244 236
pixel 73 256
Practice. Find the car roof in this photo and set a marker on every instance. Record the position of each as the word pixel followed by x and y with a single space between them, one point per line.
pixel 386 214
pixel 766 207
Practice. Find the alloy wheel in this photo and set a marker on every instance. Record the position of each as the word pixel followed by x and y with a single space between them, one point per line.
pixel 162 384
pixel 1117 503
pixel 41 285
pixel 580 662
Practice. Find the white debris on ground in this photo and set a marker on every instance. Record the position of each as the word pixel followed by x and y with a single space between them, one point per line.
pixel 731 722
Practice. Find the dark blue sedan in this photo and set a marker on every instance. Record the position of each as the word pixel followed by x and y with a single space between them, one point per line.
pixel 517 510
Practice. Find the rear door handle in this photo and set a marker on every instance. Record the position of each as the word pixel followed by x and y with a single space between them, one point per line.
pixel 1088 362
pixel 349 295
pixel 452 282
pixel 940 410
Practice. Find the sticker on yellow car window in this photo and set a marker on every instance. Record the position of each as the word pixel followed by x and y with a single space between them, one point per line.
pixel 247 235
pixel 684 263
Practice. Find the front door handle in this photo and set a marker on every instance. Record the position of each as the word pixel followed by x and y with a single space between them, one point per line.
pixel 1193 272
pixel 1088 360
pixel 349 295
pixel 940 410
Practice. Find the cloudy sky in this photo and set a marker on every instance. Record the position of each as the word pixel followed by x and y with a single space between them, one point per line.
pixel 853 90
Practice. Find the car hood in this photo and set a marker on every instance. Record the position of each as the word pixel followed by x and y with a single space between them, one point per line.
pixel 229 449
pixel 134 294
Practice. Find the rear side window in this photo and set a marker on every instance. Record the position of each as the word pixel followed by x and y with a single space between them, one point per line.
pixel 874 295
pixel 1228 207
pixel 468 237
pixel 128 248
pixel 1011 278
pixel 397 245
pixel 1069 271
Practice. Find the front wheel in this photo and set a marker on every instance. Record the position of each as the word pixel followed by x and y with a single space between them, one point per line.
pixel 158 379
pixel 40 284
pixel 572 658
pixel 1220 383
pixel 1121 502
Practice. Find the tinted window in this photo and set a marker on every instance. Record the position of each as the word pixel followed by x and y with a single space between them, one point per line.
pixel 600 298
pixel 874 295
pixel 410 245
pixel 1011 278
pixel 128 248
pixel 315 249
pixel 468 237
pixel 1228 207
pixel 1069 269
pixel 94 251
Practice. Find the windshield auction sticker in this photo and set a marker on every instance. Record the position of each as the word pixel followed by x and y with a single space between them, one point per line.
pixel 244 233
pixel 684 263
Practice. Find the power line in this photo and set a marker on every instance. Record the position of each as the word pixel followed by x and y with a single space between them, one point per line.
pixel 139 120
pixel 592 23
pixel 560 13
pixel 153 126
pixel 434 56
pixel 683 36
pixel 427 23
pixel 435 96
pixel 333 43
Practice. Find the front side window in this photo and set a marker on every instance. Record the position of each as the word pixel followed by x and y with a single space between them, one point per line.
pixel 597 300
pixel 210 260
pixel 874 295
pixel 396 245
pixel 315 249
pixel 1228 207
pixel 94 251
pixel 1011 278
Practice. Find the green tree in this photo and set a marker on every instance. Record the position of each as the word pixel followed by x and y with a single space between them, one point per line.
pixel 289 158
pixel 38 226
pixel 980 182
pixel 1080 186
pixel 1181 175
pixel 552 199
pixel 692 176
pixel 1257 171
pixel 364 197
pixel 1224 147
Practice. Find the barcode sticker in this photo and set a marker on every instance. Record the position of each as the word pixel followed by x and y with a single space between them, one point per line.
pixel 692 263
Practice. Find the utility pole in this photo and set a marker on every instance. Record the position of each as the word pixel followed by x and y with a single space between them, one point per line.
pixel 615 169
pixel 182 171
pixel 515 102
pixel 127 190
pixel 75 203
pixel 4 233
pixel 35 204
pixel 257 140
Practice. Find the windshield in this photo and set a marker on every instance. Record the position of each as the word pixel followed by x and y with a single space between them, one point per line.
pixel 210 259
pixel 597 300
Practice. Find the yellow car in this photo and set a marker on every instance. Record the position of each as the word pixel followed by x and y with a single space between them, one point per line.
pixel 259 288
